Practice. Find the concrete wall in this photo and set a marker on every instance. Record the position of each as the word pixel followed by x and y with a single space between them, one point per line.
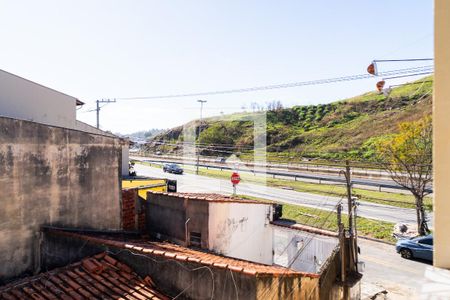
pixel 441 141
pixel 241 230
pixel 289 288
pixel 314 249
pixel 55 176
pixel 167 215
pixel 26 100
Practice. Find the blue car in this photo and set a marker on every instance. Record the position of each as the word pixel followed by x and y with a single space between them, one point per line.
pixel 172 168
pixel 418 247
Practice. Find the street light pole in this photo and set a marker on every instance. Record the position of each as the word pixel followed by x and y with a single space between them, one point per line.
pixel 199 131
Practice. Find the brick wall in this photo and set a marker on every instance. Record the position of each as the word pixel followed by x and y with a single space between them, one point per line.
pixel 133 212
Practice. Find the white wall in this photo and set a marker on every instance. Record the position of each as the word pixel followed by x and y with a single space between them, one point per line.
pixel 26 100
pixel 241 230
pixel 314 249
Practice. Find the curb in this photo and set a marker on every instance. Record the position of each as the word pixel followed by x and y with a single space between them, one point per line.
pixel 375 240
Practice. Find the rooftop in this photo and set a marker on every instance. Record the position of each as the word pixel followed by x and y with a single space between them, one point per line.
pixel 304 228
pixel 97 277
pixel 210 197
pixel 180 253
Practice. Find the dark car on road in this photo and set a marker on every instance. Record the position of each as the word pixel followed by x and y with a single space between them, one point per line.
pixel 172 168
pixel 419 247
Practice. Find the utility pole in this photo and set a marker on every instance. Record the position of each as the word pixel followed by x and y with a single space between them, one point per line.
pixel 349 197
pixel 343 252
pixel 351 220
pixel 199 131
pixel 348 243
pixel 98 108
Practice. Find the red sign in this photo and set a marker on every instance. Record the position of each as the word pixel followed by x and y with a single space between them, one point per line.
pixel 235 178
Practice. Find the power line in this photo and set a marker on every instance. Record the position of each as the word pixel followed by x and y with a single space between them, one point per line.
pixel 285 85
pixel 401 60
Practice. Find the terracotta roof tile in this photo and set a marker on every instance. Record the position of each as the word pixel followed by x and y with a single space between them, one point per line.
pixel 176 252
pixel 95 277
pixel 210 197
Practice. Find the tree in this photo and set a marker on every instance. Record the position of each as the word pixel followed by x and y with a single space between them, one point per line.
pixel 274 106
pixel 407 156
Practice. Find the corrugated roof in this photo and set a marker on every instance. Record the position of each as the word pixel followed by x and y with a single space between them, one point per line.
pixel 97 277
pixel 210 197
pixel 176 252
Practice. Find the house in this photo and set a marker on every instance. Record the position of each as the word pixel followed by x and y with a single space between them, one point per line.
pixel 52 167
pixel 234 227
pixel 245 229
pixel 181 272
pixel 216 222
pixel 23 99
pixel 167 269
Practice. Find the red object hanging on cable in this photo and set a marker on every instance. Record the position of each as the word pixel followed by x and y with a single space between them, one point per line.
pixel 380 85
pixel 372 69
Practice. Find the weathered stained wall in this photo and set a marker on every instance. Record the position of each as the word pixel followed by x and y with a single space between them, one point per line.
pixel 167 215
pixel 241 230
pixel 55 176
pixel 288 288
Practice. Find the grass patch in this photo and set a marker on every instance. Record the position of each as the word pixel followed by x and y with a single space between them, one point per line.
pixel 328 220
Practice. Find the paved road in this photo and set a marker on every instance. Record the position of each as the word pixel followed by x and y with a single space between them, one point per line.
pixel 386 270
pixel 195 183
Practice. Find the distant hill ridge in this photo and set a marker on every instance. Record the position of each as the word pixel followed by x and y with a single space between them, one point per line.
pixel 338 130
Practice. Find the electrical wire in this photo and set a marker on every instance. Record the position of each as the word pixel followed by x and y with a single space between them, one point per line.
pixel 409 75
pixel 400 60
pixel 283 85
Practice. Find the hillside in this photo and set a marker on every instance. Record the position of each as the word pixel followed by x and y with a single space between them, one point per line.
pixel 342 129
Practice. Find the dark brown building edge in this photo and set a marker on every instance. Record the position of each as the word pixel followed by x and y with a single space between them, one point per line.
pixel 57 176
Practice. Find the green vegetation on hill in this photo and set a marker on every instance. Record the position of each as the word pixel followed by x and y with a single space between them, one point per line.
pixel 346 129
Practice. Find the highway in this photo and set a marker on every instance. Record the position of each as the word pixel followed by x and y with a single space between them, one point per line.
pixel 196 183
pixel 312 175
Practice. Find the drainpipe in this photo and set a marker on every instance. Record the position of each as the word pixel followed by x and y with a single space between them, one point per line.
pixel 186 231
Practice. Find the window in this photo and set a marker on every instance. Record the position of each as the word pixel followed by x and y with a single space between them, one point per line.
pixel 426 242
pixel 195 238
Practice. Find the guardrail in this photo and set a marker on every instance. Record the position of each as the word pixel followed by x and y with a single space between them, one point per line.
pixel 296 176
pixel 307 166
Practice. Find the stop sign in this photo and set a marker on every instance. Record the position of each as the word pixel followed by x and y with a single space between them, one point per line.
pixel 235 178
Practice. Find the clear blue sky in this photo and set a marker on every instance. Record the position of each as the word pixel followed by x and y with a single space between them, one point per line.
pixel 99 49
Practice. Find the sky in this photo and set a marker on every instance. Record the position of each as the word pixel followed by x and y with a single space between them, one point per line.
pixel 99 49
